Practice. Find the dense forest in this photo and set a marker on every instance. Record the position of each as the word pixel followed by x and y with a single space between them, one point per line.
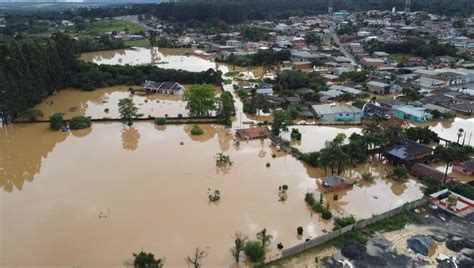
pixel 236 11
pixel 33 68
pixel 425 48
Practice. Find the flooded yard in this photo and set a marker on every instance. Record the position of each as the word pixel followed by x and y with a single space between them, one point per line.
pixel 111 190
pixel 103 103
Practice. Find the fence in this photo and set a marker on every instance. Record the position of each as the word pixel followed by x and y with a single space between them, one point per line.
pixel 334 234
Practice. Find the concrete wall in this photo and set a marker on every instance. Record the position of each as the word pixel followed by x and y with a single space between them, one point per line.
pixel 334 234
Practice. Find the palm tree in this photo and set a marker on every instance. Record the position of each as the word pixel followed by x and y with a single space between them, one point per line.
pixel 263 237
pixel 460 132
pixel 240 240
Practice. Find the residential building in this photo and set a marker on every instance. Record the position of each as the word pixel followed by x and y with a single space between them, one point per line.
pixel 253 133
pixel 411 113
pixel 378 87
pixel 335 183
pixel 332 113
pixel 265 89
pixel 421 170
pixel 172 88
pixel 466 168
pixel 373 62
pixel 407 152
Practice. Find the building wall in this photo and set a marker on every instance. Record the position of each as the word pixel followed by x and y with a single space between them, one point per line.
pixel 459 168
pixel 352 117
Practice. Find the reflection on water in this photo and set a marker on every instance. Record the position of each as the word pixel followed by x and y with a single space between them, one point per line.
pixel 22 149
pixel 130 138
pixel 103 103
pixel 83 177
pixel 448 129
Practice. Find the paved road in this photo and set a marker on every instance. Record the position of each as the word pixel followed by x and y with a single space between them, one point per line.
pixel 343 50
pixel 134 19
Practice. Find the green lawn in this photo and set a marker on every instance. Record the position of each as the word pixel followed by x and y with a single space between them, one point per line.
pixel 138 43
pixel 399 57
pixel 110 25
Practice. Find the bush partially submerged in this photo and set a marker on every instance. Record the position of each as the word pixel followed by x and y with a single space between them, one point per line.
pixel 80 122
pixel 160 121
pixel 196 130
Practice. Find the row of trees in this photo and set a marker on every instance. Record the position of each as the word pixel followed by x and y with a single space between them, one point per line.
pixel 261 58
pixel 33 68
pixel 234 11
pixel 414 46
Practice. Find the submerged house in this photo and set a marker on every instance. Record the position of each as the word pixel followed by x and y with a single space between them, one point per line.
pixel 330 113
pixel 171 88
pixel 253 133
pixel 411 113
pixel 466 168
pixel 407 152
pixel 421 170
pixel 335 183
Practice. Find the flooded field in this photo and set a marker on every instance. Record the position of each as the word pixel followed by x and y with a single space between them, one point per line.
pixel 103 103
pixel 111 190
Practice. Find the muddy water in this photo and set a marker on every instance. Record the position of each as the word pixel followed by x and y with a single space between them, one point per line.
pixel 313 138
pixel 448 129
pixel 73 102
pixel 111 190
pixel 170 59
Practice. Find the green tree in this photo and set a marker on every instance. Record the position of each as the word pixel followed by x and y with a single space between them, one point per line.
pixel 32 114
pixel 264 237
pixel 79 122
pixel 398 174
pixel 255 251
pixel 226 108
pixel 281 121
pixel 146 260
pixel 128 110
pixel 450 154
pixel 201 100
pixel 239 244
pixel 56 121
pixel 460 132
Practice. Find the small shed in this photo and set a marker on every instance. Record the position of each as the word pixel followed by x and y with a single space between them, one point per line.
pixel 335 183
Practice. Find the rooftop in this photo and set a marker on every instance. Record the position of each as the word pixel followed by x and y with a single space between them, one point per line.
pixel 328 109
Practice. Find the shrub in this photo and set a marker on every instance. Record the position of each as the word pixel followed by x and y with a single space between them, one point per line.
pixel 267 165
pixel 398 174
pixel 148 260
pixel 295 134
pixel 340 222
pixel 215 197
pixel 326 215
pixel 32 114
pixel 299 230
pixel 56 121
pixel 80 122
pixel 196 130
pixel 255 251
pixel 367 177
pixel 160 121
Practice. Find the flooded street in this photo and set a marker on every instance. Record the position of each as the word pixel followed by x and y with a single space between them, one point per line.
pixel 110 191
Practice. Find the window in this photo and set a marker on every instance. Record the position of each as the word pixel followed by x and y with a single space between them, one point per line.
pixel 340 114
pixel 347 114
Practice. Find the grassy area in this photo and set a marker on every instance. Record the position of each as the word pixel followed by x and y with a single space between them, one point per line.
pixel 138 43
pixel 111 25
pixel 399 57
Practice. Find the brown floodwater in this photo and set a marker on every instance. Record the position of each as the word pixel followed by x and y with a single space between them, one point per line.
pixel 164 58
pixel 103 103
pixel 92 197
pixel 448 129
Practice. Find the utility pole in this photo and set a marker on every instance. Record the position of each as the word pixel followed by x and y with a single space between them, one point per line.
pixel 407 6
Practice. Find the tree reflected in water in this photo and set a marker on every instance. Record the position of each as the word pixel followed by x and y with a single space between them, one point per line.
pixel 130 138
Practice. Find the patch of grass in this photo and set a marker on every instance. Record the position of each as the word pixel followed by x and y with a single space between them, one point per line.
pixel 137 43
pixel 399 57
pixel 111 25
pixel 396 222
